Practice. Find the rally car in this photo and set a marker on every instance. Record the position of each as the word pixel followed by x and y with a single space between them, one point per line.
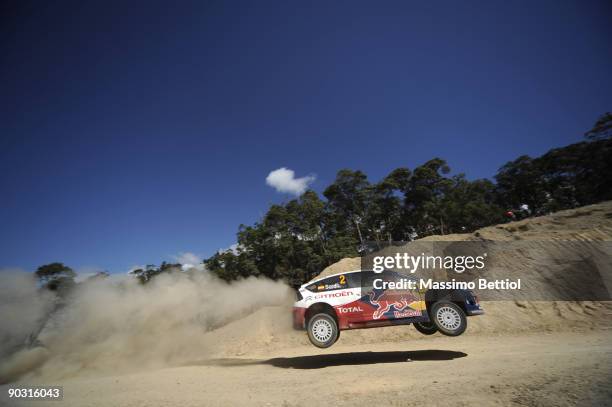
pixel 365 299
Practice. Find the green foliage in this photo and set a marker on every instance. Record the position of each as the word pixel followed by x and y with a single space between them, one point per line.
pixel 520 182
pixel 467 206
pixel 56 277
pixel 575 175
pixel 348 201
pixel 602 128
pixel 291 243
pixel 144 275
pixel 54 270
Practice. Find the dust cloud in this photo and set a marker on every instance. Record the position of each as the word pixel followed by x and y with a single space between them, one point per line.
pixel 22 307
pixel 109 326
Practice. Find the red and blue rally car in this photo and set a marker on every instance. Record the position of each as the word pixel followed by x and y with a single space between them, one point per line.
pixel 364 299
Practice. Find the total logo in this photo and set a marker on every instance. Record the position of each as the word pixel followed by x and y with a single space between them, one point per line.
pixel 349 310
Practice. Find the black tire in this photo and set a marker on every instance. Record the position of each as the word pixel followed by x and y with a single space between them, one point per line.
pixel 449 318
pixel 426 328
pixel 322 330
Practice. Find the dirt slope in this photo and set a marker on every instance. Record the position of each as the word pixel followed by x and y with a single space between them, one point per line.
pixel 587 223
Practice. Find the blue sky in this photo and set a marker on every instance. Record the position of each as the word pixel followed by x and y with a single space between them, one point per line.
pixel 131 132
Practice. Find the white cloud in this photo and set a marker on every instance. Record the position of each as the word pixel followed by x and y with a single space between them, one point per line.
pixel 189 261
pixel 188 258
pixel 284 181
pixel 233 249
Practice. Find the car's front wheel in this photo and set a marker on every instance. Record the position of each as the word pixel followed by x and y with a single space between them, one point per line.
pixel 449 318
pixel 322 330
pixel 426 328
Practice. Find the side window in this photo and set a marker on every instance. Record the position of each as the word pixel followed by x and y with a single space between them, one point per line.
pixel 367 278
pixel 354 279
pixel 392 276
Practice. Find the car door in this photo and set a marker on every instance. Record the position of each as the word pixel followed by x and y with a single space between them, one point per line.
pixel 389 296
pixel 355 310
pixel 342 292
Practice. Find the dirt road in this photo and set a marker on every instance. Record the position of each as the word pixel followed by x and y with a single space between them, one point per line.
pixel 535 369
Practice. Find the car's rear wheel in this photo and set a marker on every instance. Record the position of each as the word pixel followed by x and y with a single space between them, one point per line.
pixel 322 330
pixel 426 328
pixel 449 318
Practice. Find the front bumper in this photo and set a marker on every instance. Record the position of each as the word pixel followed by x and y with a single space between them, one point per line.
pixel 299 318
pixel 478 311
pixel 472 305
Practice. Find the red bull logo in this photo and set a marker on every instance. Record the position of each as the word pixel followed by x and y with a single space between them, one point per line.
pixel 391 299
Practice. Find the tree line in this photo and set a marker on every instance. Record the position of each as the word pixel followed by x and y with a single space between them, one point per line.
pixel 295 240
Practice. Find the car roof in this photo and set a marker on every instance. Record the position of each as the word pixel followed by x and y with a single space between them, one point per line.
pixel 344 272
pixel 331 275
